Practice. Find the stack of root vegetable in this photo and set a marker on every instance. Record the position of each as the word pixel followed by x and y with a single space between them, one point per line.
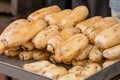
pixel 63 36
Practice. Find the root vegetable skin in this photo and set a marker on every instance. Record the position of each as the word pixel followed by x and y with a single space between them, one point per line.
pixel 87 23
pixel 98 27
pixel 16 33
pixel 54 42
pixel 41 39
pixel 2 47
pixel 76 70
pixel 82 77
pixel 15 48
pixel 90 69
pixel 52 59
pixel 109 62
pixel 28 46
pixel 12 53
pixel 71 47
pixel 43 12
pixel 26 55
pixel 40 55
pixel 84 54
pixel 81 63
pixel 69 76
pixel 56 73
pixel 69 32
pixel 109 37
pixel 95 54
pixel 78 14
pixel 57 40
pixel 112 53
pixel 44 70
pixel 101 26
pixel 55 18
pixel 36 66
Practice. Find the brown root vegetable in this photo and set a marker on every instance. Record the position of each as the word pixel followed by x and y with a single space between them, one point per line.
pixel 52 59
pixel 2 47
pixel 78 14
pixel 104 25
pixel 43 12
pixel 69 77
pixel 55 73
pixel 12 53
pixel 98 27
pixel 90 69
pixel 41 39
pixel 16 33
pixel 81 63
pixel 76 70
pixel 57 40
pixel 95 54
pixel 87 23
pixel 55 18
pixel 36 66
pixel 54 42
pixel 84 53
pixel 82 77
pixel 26 55
pixel 71 48
pixel 109 37
pixel 43 70
pixel 69 32
pixel 28 46
pixel 68 63
pixel 112 53
pixel 56 59
pixel 109 62
pixel 40 55
pixel 15 48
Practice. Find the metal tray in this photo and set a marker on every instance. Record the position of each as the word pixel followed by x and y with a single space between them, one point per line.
pixel 13 67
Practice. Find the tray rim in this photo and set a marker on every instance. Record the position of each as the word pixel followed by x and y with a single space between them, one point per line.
pixel 10 70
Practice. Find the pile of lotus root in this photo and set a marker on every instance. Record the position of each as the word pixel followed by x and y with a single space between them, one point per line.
pixel 51 35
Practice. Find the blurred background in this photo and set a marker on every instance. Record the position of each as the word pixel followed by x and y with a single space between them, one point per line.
pixel 11 10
